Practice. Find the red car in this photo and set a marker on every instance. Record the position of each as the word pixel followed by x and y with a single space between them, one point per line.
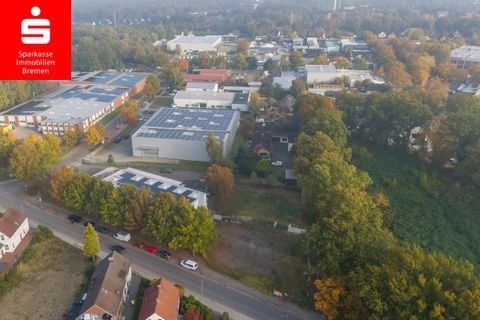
pixel 151 249
pixel 139 244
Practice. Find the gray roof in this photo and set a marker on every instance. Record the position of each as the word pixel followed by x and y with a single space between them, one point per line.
pixel 468 53
pixel 320 68
pixel 205 96
pixel 105 289
pixel 187 124
pixel 210 39
pixel 201 85
pixel 241 98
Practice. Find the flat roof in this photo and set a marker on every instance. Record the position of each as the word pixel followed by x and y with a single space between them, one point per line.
pixel 154 182
pixel 210 39
pixel 205 96
pixel 321 68
pixel 201 85
pixel 469 53
pixel 29 108
pixel 241 98
pixel 187 124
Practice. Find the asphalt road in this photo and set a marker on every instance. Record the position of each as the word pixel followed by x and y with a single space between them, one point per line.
pixel 225 295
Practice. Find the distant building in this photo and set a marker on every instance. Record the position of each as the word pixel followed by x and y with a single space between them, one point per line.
pixel 108 289
pixel 330 46
pixel 284 81
pixel 354 46
pixel 154 182
pixel 240 89
pixel 160 301
pixel 202 86
pixel 76 104
pixel 207 75
pixel 191 45
pixel 212 100
pixel 316 74
pixel 465 56
pixel 180 133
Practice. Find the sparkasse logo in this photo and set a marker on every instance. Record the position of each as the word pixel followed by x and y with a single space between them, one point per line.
pixel 37 40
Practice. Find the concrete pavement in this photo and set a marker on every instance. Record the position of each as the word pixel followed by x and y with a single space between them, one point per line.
pixel 220 293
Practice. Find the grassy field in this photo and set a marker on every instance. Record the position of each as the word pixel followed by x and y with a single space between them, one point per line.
pixel 427 207
pixel 43 285
pixel 266 204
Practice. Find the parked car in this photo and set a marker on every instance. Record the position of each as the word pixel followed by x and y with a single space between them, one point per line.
pixel 118 249
pixel 102 229
pixel 126 137
pixel 122 236
pixel 166 170
pixel 139 244
pixel 151 249
pixel 89 221
pixel 117 140
pixel 189 264
pixel 164 254
pixel 75 218
pixel 277 163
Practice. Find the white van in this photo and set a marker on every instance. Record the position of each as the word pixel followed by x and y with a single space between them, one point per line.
pixel 122 236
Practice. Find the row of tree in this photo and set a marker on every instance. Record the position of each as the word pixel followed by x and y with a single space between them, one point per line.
pixel 16 92
pixel 160 216
pixel 363 271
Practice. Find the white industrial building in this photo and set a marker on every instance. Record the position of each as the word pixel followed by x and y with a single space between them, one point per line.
pixel 328 74
pixel 180 133
pixel 154 182
pixel 465 56
pixel 201 86
pixel 212 100
pixel 195 44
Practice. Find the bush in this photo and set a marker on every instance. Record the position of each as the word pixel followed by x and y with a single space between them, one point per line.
pixel 225 316
pixel 190 303
pixel 181 290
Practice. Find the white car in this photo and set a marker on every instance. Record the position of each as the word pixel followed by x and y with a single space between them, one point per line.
pixel 122 236
pixel 277 163
pixel 189 264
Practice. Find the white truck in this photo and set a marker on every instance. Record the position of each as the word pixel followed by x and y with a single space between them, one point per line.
pixel 122 236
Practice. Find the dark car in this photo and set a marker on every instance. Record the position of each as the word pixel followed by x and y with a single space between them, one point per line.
pixel 126 137
pixel 166 170
pixel 117 140
pixel 164 254
pixel 74 218
pixel 118 249
pixel 89 221
pixel 102 229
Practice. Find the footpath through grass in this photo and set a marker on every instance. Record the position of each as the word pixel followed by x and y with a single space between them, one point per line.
pixel 428 207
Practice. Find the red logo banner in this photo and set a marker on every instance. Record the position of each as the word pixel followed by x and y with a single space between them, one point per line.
pixel 36 37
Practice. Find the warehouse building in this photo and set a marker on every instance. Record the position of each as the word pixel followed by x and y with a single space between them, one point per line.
pixel 201 86
pixel 154 182
pixel 76 104
pixel 212 100
pixel 465 56
pixel 191 45
pixel 180 133
pixel 328 74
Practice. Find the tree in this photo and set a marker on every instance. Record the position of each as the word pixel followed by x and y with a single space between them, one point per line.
pixel 110 159
pixel 214 148
pixel 321 59
pixel 194 229
pixel 307 105
pixel 360 64
pixel 243 47
pixel 159 217
pixel 94 135
pixel 91 242
pixel 220 182
pixel 59 181
pixel 7 145
pixel 255 103
pixel 182 64
pixel 173 76
pixel 129 115
pixel 70 138
pixel 341 62
pixel 263 167
pixel 296 60
pixel 152 85
pixel 299 87
pixel 35 157
pixel 245 161
pixel 269 65
pixel 240 61
pixel 252 63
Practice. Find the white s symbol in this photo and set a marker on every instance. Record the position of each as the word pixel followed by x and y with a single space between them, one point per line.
pixel 30 28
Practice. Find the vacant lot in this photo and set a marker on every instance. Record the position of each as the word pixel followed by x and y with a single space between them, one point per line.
pixel 266 204
pixel 261 257
pixel 428 207
pixel 49 276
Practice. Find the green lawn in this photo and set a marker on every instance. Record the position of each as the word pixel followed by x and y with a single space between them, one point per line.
pixel 266 204
pixel 427 207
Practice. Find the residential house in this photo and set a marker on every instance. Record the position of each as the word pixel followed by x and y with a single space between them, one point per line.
pixel 13 229
pixel 160 301
pixel 108 289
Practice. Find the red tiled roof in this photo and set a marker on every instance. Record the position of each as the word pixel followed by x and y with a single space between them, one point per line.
pixel 10 221
pixel 161 298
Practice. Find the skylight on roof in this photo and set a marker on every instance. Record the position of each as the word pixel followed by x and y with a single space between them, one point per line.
pixel 150 182
pixel 186 133
pixel 137 178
